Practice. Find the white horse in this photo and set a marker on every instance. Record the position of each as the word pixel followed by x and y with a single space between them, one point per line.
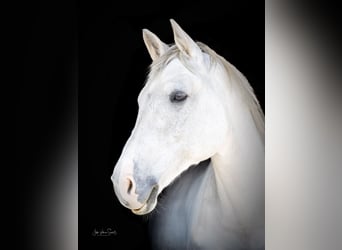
pixel 198 113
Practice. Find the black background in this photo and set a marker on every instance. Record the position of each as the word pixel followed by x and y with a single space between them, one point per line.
pixel 90 60
pixel 113 68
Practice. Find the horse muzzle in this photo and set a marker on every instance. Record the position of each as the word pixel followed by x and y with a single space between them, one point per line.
pixel 138 194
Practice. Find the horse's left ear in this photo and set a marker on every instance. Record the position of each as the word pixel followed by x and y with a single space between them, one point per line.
pixel 154 45
pixel 184 42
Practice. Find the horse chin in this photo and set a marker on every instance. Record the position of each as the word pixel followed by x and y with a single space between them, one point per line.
pixel 149 205
pixel 146 208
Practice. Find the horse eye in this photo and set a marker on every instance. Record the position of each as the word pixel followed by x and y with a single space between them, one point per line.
pixel 178 96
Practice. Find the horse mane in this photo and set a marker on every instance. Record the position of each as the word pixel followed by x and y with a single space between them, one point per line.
pixel 237 79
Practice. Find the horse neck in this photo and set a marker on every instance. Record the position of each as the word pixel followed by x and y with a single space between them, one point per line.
pixel 239 166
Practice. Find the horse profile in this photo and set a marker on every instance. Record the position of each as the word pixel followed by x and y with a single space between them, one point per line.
pixel 199 134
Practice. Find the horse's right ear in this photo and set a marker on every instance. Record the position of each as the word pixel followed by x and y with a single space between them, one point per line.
pixel 154 45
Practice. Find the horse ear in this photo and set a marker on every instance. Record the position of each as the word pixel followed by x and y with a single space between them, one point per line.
pixel 154 45
pixel 184 42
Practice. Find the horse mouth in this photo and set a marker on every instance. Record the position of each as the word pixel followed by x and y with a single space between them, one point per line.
pixel 149 204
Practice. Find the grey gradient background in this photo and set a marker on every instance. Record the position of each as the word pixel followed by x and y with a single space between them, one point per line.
pixel 303 127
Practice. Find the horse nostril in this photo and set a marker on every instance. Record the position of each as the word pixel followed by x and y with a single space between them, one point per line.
pixel 130 185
